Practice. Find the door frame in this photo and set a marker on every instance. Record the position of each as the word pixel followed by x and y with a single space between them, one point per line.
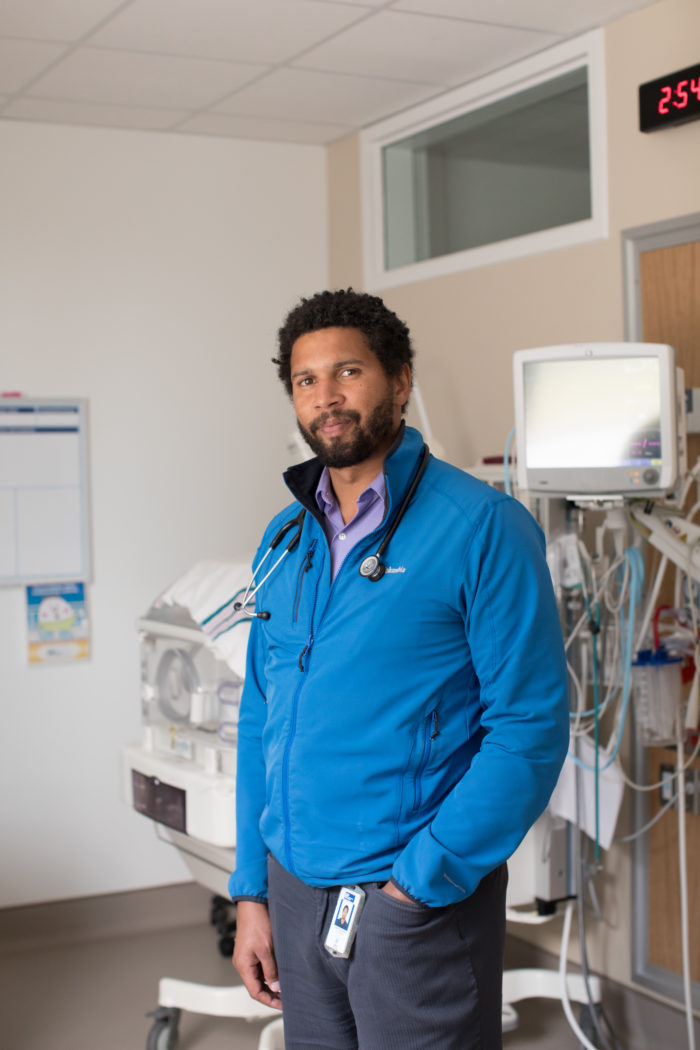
pixel 636 240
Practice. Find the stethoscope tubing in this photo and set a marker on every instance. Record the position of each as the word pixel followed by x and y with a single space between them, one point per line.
pixel 371 568
pixel 253 587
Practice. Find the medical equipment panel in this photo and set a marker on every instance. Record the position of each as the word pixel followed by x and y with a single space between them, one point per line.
pixel 181 774
pixel 597 419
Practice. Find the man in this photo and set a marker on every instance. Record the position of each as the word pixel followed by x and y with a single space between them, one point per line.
pixel 404 717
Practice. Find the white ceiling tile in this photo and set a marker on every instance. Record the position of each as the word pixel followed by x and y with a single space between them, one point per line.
pixel 22 60
pixel 256 128
pixel 216 29
pixel 59 112
pixel 50 20
pixel 326 97
pixel 160 63
pixel 124 78
pixel 554 16
pixel 440 51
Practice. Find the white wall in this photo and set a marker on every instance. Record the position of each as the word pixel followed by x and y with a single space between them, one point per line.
pixel 148 274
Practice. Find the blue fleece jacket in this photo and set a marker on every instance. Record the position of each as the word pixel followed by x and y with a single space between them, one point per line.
pixel 411 728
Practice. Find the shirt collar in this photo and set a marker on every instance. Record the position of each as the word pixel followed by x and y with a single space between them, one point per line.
pixel 325 496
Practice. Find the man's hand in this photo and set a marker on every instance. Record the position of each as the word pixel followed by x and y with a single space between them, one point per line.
pixel 253 954
pixel 393 891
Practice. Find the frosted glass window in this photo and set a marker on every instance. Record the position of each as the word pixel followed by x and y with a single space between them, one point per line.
pixel 517 166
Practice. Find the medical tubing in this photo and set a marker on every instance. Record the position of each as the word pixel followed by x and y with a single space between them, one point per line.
pixel 651 602
pixel 577 715
pixel 683 874
pixel 579 867
pixel 594 627
pixel 654 820
pixel 635 588
pixel 584 616
pixel 565 1002
pixel 660 783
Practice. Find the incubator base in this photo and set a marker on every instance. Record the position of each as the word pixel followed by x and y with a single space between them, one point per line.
pixel 174 996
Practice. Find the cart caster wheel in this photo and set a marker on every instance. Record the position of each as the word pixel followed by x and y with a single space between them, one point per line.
pixel 226 945
pixel 219 910
pixel 164 1031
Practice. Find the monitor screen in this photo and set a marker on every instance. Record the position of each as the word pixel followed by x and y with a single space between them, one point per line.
pixel 596 419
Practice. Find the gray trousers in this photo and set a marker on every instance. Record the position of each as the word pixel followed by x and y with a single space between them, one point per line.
pixel 418 978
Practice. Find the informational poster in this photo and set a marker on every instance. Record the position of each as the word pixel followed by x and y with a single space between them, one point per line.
pixel 44 519
pixel 57 623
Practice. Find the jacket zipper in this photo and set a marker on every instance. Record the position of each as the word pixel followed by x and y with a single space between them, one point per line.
pixel 303 569
pixel 430 732
pixel 285 779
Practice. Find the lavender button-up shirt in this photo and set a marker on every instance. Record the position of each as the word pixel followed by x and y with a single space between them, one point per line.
pixel 371 506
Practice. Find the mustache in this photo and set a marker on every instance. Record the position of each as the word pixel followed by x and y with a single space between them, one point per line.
pixel 348 416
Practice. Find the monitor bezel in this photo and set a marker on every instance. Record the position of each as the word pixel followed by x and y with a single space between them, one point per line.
pixel 597 482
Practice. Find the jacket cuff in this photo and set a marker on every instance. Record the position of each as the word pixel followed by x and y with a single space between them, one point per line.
pixel 406 892
pixel 248 885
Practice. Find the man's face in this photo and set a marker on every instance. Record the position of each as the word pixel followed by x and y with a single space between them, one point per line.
pixel 347 408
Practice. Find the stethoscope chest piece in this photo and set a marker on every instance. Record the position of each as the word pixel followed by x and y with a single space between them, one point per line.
pixel 372 568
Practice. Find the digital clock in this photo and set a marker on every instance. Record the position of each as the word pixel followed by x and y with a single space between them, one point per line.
pixel 673 99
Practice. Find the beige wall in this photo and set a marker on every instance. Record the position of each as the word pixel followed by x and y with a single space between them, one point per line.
pixel 467 325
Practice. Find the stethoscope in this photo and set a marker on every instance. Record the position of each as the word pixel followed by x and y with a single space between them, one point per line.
pixel 253 587
pixel 371 568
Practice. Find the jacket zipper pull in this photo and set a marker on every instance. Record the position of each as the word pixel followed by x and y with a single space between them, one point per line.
pixel 302 654
pixel 436 732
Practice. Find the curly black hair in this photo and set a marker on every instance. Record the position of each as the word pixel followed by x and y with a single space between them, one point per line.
pixel 387 336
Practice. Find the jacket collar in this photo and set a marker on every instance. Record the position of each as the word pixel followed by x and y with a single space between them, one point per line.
pixel 399 466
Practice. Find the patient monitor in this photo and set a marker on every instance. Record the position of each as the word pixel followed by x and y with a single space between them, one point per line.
pixel 598 420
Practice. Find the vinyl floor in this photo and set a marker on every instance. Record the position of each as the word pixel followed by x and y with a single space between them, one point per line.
pixel 96 994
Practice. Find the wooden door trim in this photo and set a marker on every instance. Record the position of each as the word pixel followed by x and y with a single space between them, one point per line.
pixel 635 242
pixel 638 239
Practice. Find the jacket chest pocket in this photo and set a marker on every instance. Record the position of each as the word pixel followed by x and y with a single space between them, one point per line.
pixel 305 581
pixel 428 733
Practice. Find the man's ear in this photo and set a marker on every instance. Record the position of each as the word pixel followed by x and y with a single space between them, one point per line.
pixel 402 385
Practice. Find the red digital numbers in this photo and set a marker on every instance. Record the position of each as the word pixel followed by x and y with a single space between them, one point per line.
pixel 668 100
pixel 681 95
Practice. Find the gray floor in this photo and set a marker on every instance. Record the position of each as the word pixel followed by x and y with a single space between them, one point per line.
pixel 97 993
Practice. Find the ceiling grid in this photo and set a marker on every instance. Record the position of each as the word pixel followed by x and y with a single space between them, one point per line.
pixel 306 71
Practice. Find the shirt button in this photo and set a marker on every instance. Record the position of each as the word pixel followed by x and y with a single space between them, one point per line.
pixel 342 536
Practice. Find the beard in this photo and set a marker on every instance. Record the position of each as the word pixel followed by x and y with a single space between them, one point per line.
pixel 363 441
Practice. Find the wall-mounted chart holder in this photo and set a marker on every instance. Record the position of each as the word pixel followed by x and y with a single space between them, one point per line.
pixel 44 508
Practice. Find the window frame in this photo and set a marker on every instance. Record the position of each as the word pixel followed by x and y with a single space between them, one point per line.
pixel 585 50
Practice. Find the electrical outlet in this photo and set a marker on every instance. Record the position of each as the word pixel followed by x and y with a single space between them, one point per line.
pixel 669 787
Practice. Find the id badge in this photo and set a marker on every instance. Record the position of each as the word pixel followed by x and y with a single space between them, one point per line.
pixel 346 916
